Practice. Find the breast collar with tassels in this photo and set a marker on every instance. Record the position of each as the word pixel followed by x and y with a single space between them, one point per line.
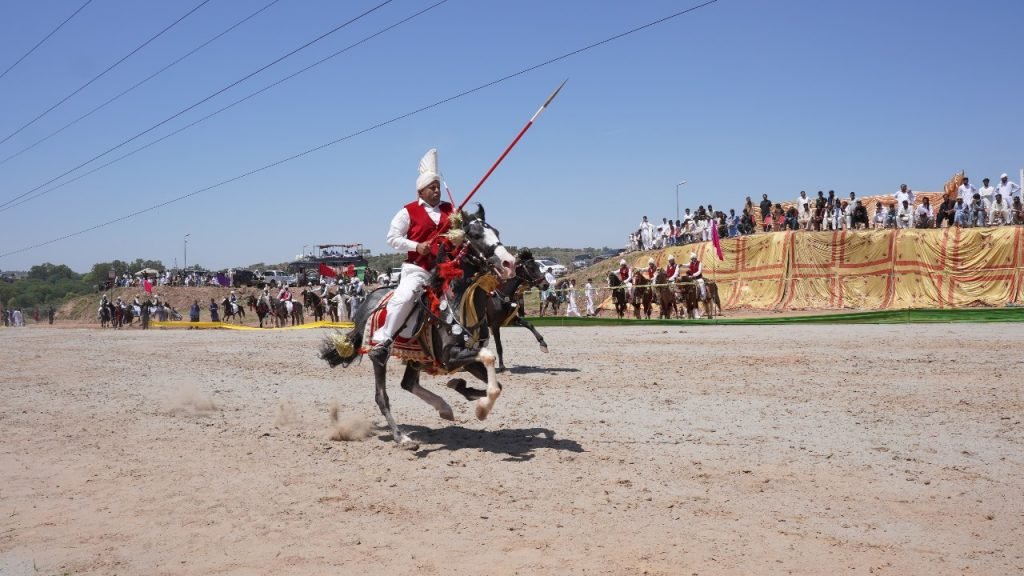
pixel 453 309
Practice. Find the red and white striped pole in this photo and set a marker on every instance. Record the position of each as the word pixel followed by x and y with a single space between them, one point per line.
pixel 514 142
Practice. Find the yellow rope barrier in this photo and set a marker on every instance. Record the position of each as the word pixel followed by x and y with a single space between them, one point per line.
pixel 306 326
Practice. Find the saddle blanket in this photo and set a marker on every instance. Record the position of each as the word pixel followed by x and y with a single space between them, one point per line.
pixel 406 346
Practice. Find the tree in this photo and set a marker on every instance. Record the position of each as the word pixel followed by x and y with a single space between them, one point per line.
pixel 51 272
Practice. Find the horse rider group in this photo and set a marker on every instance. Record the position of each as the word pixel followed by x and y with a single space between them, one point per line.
pixel 693 272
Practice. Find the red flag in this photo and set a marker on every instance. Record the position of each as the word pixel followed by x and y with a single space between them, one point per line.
pixel 351 270
pixel 715 240
pixel 147 285
pixel 326 270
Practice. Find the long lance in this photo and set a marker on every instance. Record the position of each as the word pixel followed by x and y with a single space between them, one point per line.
pixel 513 144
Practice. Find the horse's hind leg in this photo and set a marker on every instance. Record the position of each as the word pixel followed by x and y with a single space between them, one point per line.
pixel 411 383
pixel 526 324
pixel 497 347
pixel 380 379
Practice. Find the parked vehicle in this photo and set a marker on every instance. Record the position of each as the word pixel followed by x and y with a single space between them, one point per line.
pixel 277 278
pixel 609 254
pixel 582 261
pixel 244 278
pixel 557 269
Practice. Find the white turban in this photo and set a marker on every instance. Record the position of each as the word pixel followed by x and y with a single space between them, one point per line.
pixel 428 170
pixel 650 260
pixel 622 262
pixel 693 255
pixel 671 257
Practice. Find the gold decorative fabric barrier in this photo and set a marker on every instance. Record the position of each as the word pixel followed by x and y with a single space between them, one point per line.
pixel 865 270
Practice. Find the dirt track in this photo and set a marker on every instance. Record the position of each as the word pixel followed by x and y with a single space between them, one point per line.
pixel 785 450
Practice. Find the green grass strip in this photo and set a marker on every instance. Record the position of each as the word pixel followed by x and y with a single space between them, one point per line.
pixel 907 316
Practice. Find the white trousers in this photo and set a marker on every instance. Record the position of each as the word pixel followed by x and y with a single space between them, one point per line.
pixel 571 309
pixel 402 302
pixel 590 305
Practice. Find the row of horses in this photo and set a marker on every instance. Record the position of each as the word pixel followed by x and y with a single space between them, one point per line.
pixel 112 315
pixel 675 299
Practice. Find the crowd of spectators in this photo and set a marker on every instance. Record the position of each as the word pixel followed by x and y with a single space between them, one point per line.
pixel 999 205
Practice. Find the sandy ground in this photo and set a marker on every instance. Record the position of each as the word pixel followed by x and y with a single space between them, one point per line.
pixel 776 450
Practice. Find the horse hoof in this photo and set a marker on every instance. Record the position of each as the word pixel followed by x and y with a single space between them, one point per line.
pixel 501 369
pixel 481 409
pixel 544 348
pixel 447 415
pixel 406 443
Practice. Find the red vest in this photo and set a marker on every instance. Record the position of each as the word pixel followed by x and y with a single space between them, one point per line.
pixel 651 271
pixel 623 273
pixel 670 270
pixel 694 266
pixel 422 229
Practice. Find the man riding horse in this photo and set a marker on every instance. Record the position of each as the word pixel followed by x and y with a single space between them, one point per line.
pixel 446 331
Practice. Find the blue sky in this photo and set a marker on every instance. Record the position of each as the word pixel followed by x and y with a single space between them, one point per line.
pixel 739 98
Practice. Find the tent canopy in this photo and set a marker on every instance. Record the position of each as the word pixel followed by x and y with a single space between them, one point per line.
pixel 147 271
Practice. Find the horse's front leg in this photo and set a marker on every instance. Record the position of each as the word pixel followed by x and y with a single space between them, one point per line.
pixel 469 360
pixel 380 374
pixel 411 383
pixel 498 348
pixel 518 321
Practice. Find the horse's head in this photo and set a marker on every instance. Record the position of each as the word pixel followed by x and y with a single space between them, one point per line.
pixel 528 270
pixel 614 280
pixel 485 244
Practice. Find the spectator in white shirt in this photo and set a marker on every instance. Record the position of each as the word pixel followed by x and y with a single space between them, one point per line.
pixel 923 216
pixel 803 200
pixel 904 215
pixel 999 212
pixel 988 193
pixel 1009 190
pixel 879 216
pixel 903 194
pixel 966 191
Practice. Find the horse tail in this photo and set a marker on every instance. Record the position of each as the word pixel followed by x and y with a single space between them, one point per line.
pixel 341 348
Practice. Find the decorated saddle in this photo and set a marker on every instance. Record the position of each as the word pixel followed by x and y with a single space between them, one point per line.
pixel 452 310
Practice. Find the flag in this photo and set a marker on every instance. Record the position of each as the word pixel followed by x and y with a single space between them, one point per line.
pixel 716 241
pixel 223 280
pixel 350 271
pixel 326 270
pixel 147 286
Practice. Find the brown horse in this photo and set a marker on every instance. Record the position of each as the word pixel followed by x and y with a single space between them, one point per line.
pixel 642 295
pixel 234 310
pixel 314 302
pixel 618 294
pixel 687 293
pixel 553 296
pixel 261 307
pixel 666 295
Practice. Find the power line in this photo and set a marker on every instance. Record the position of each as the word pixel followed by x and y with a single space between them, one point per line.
pixel 98 76
pixel 218 92
pixel 363 131
pixel 45 38
pixel 140 83
pixel 13 205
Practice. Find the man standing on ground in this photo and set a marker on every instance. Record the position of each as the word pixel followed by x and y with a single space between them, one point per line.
pixel 588 291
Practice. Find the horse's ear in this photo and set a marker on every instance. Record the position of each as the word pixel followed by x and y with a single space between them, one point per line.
pixel 479 212
pixel 525 254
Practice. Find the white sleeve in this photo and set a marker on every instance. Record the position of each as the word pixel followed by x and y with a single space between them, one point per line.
pixel 398 230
